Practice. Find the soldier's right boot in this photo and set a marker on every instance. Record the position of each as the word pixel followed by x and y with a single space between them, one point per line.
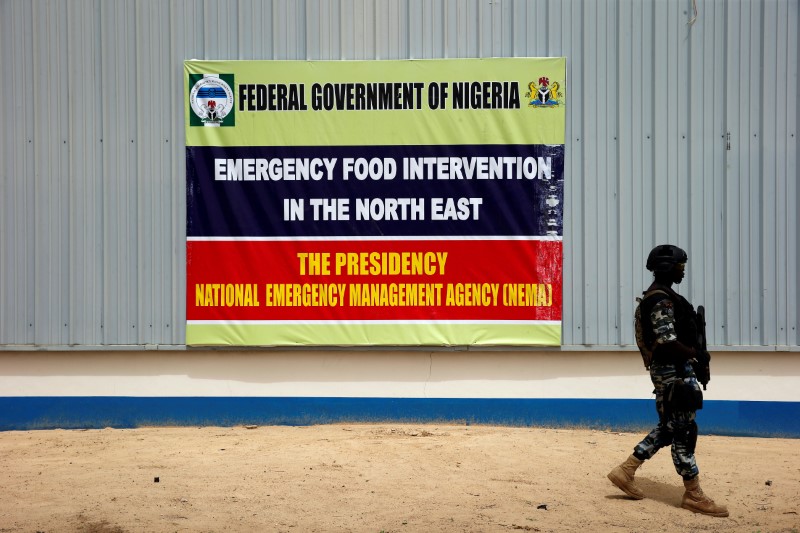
pixel 622 477
pixel 696 501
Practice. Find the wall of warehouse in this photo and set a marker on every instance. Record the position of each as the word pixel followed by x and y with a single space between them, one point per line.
pixel 750 393
pixel 678 130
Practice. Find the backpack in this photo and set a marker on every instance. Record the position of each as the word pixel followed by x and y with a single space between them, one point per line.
pixel 645 348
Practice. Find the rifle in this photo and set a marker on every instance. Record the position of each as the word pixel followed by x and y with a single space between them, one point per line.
pixel 702 365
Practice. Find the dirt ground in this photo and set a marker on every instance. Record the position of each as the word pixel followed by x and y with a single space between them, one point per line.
pixel 374 478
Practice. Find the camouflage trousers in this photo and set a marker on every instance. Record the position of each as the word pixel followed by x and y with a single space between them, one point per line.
pixel 676 428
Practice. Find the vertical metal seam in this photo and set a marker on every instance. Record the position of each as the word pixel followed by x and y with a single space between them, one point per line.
pixel 618 156
pixel 652 135
pixel 765 213
pixel 69 334
pixel 688 144
pixel 135 207
pixel 36 170
pixel 797 188
pixel 725 175
pixel 582 151
pixel 103 226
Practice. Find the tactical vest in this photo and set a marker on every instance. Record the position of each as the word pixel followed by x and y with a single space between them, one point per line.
pixel 685 318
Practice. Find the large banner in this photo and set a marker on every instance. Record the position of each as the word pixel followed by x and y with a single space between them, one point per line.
pixel 343 203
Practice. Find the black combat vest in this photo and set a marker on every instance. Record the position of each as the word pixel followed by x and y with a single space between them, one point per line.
pixel 685 318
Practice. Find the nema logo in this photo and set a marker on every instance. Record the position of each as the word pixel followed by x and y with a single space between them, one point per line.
pixel 211 100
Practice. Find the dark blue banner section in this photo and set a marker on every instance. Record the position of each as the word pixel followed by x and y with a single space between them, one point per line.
pixel 374 191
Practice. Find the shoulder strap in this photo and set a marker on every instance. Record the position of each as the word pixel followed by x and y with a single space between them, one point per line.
pixel 648 294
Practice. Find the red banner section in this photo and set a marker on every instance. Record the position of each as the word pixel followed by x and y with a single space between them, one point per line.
pixel 374 280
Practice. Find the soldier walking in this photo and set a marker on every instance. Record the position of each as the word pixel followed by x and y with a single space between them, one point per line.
pixel 670 326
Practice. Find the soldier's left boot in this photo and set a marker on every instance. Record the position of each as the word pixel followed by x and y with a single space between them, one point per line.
pixel 623 477
pixel 696 501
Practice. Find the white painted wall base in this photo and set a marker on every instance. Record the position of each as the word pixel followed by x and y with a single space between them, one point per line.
pixel 740 376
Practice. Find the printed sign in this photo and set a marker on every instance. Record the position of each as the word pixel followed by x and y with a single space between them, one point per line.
pixel 347 203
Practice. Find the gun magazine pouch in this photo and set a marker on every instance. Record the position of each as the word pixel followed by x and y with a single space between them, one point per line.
pixel 684 395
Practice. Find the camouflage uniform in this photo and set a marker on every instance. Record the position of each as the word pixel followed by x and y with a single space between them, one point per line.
pixel 674 330
pixel 677 428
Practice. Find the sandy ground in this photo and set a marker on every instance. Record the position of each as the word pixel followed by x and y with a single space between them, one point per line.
pixel 373 478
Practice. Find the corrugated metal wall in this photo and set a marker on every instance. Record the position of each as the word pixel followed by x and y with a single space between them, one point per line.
pixel 676 132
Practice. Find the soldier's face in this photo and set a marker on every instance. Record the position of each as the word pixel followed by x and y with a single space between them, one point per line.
pixel 679 272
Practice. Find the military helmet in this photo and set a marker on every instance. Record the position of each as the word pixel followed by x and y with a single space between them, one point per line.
pixel 665 256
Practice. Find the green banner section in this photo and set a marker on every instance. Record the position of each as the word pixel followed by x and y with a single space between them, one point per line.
pixel 366 334
pixel 358 103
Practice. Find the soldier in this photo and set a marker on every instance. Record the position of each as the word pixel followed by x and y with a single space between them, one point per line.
pixel 670 322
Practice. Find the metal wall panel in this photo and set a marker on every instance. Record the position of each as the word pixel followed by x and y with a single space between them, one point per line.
pixel 676 132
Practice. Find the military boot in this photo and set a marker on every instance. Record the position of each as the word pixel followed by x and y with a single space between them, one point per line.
pixel 622 477
pixel 696 501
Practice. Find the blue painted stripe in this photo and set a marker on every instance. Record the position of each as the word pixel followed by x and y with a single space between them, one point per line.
pixel 734 418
